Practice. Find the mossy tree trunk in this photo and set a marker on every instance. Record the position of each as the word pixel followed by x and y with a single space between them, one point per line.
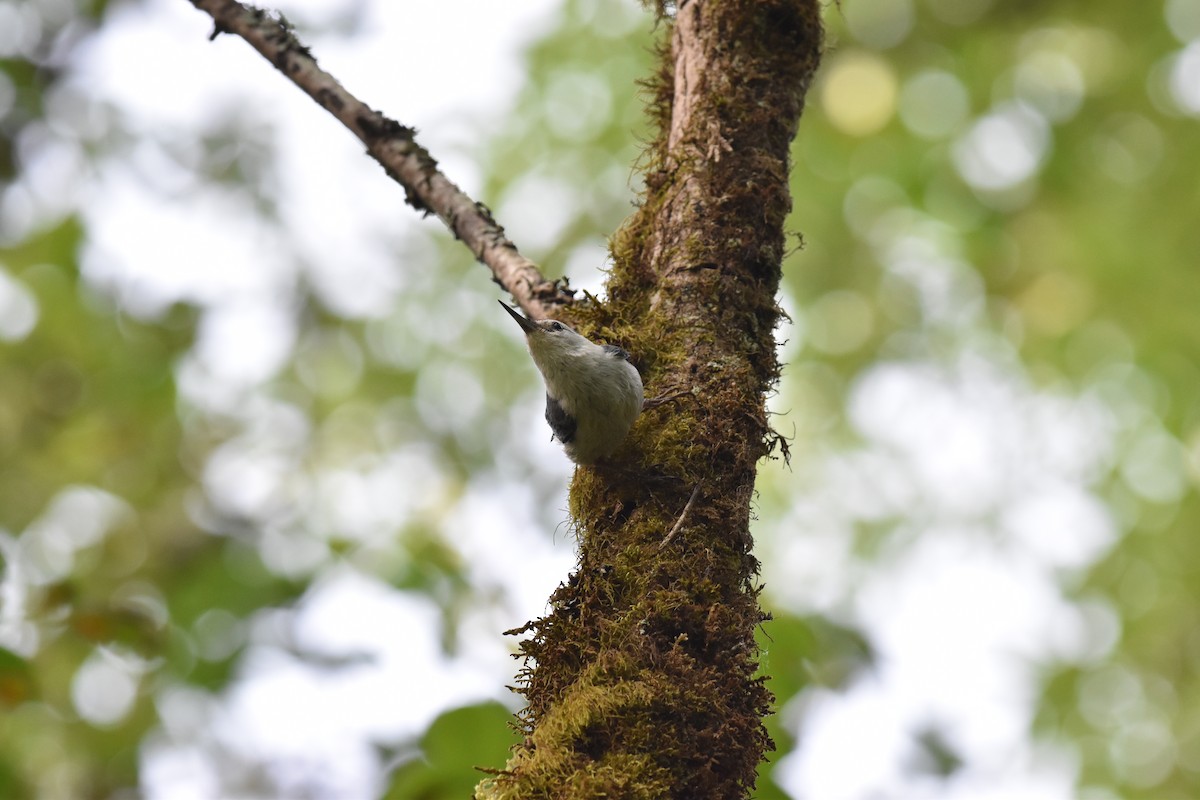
pixel 641 682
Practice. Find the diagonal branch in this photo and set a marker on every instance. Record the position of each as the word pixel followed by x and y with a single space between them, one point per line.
pixel 393 146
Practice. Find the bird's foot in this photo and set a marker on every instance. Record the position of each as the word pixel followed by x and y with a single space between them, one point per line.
pixel 662 399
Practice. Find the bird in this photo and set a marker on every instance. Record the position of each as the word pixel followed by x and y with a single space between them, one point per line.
pixel 594 393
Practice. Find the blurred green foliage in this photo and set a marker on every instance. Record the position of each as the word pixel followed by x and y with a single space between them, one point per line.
pixel 88 437
pixel 1089 266
pixel 800 653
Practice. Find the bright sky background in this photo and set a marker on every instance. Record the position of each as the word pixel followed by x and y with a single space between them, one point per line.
pixel 961 607
pixel 153 242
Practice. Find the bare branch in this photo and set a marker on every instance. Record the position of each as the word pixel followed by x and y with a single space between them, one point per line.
pixel 394 147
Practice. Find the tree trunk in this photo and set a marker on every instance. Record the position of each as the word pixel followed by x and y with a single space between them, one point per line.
pixel 641 682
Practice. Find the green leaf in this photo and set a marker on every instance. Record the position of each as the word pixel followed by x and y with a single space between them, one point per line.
pixel 457 745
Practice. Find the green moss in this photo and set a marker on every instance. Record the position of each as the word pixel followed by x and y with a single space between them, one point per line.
pixel 642 681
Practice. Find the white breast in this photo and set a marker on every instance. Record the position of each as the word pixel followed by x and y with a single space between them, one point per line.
pixel 601 392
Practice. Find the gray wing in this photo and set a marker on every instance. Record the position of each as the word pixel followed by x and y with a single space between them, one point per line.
pixel 616 352
pixel 561 423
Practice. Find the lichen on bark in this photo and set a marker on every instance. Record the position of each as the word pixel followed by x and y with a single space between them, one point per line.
pixel 641 682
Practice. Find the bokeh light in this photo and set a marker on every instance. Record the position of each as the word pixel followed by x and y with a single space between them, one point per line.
pixel 858 92
pixel 933 104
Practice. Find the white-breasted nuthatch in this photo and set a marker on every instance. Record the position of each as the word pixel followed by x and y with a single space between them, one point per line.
pixel 593 393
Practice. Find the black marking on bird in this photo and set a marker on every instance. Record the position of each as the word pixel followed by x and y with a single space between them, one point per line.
pixel 617 352
pixel 561 423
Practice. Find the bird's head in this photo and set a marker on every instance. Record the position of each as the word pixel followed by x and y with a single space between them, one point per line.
pixel 547 335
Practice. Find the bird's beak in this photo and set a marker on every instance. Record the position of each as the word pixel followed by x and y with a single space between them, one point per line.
pixel 525 324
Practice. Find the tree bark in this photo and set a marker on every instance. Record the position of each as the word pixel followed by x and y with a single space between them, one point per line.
pixel 642 681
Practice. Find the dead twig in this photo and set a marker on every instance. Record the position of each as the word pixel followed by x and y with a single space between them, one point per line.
pixel 393 145
pixel 679 522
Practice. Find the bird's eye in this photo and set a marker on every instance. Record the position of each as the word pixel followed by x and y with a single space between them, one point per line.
pixel 556 326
